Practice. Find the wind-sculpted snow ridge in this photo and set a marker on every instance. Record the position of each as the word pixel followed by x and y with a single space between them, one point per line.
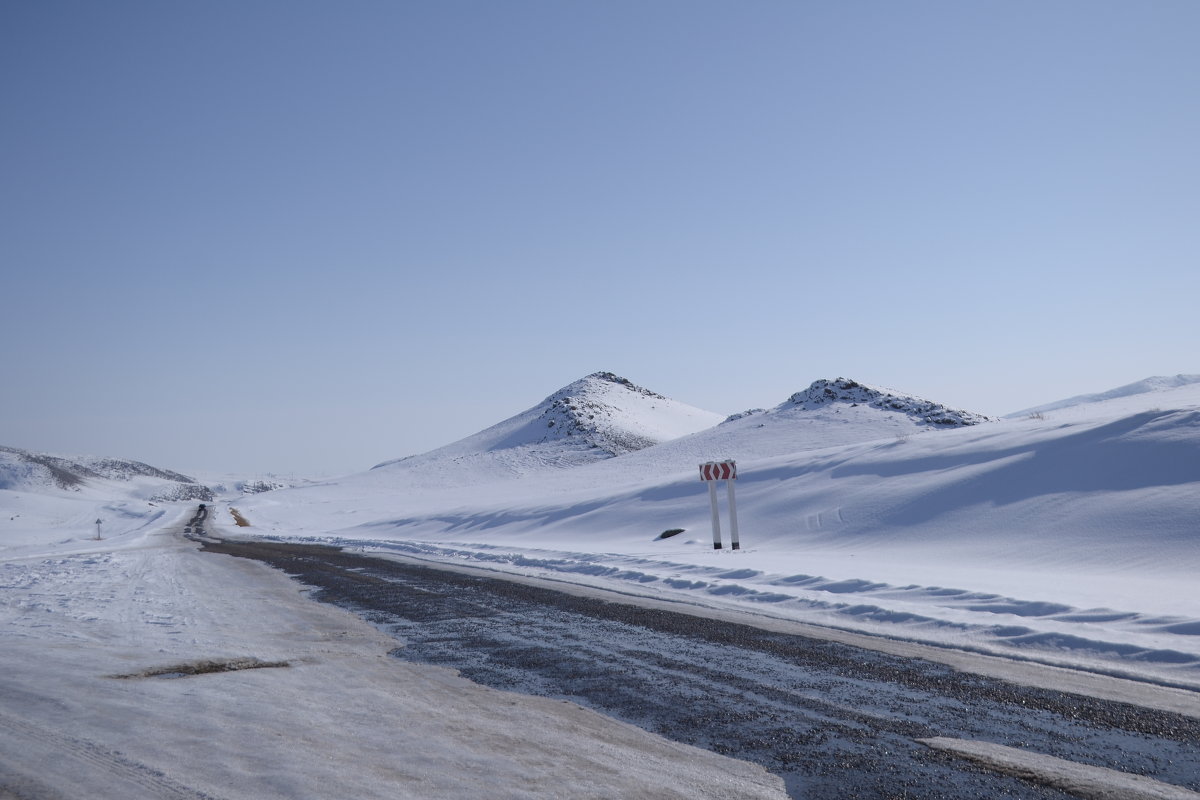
pixel 823 393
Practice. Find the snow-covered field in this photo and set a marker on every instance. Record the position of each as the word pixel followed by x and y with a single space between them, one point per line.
pixel 1067 535
pixel 96 638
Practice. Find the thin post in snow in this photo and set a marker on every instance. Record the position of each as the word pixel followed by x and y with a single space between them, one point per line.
pixel 733 531
pixel 710 473
pixel 716 515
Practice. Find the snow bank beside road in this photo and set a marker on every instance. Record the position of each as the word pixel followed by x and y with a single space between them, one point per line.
pixel 343 719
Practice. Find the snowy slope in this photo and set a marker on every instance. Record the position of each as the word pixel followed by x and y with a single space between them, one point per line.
pixel 595 418
pixel 1071 539
pixel 1149 386
pixel 40 492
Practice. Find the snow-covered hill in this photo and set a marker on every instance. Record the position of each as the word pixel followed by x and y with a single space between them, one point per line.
pixel 824 394
pixel 829 413
pixel 843 411
pixel 61 497
pixel 597 417
pixel 625 431
pixel 1070 538
pixel 1149 386
pixel 22 470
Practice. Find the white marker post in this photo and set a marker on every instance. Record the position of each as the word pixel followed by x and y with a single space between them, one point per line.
pixel 710 473
pixel 97 528
pixel 716 514
pixel 733 532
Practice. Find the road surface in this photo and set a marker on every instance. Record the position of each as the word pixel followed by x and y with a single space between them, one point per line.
pixel 832 720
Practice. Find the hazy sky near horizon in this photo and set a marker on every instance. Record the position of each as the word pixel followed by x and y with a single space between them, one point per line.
pixel 311 236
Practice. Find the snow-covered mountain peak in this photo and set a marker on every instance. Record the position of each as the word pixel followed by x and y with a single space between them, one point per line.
pixel 596 381
pixel 612 413
pixel 823 393
pixel 597 417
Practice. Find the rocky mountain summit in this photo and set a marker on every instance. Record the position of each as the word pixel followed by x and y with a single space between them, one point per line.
pixel 823 393
pixel 601 411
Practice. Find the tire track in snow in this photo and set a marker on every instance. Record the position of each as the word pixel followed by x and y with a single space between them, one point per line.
pixel 81 767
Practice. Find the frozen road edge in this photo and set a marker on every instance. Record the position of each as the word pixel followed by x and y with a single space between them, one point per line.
pixel 1007 668
pixel 1095 783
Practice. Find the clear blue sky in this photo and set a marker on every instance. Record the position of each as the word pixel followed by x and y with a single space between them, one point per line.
pixel 311 236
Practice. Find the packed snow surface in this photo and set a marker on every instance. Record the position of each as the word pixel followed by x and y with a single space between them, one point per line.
pixel 138 668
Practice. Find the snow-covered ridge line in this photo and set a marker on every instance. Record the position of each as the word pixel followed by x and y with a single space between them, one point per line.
pixel 24 469
pixel 843 390
pixel 1156 383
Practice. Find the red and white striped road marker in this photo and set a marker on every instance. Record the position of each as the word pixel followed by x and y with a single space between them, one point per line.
pixel 710 473
pixel 718 471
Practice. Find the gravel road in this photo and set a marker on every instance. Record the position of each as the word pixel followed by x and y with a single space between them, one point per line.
pixel 833 721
